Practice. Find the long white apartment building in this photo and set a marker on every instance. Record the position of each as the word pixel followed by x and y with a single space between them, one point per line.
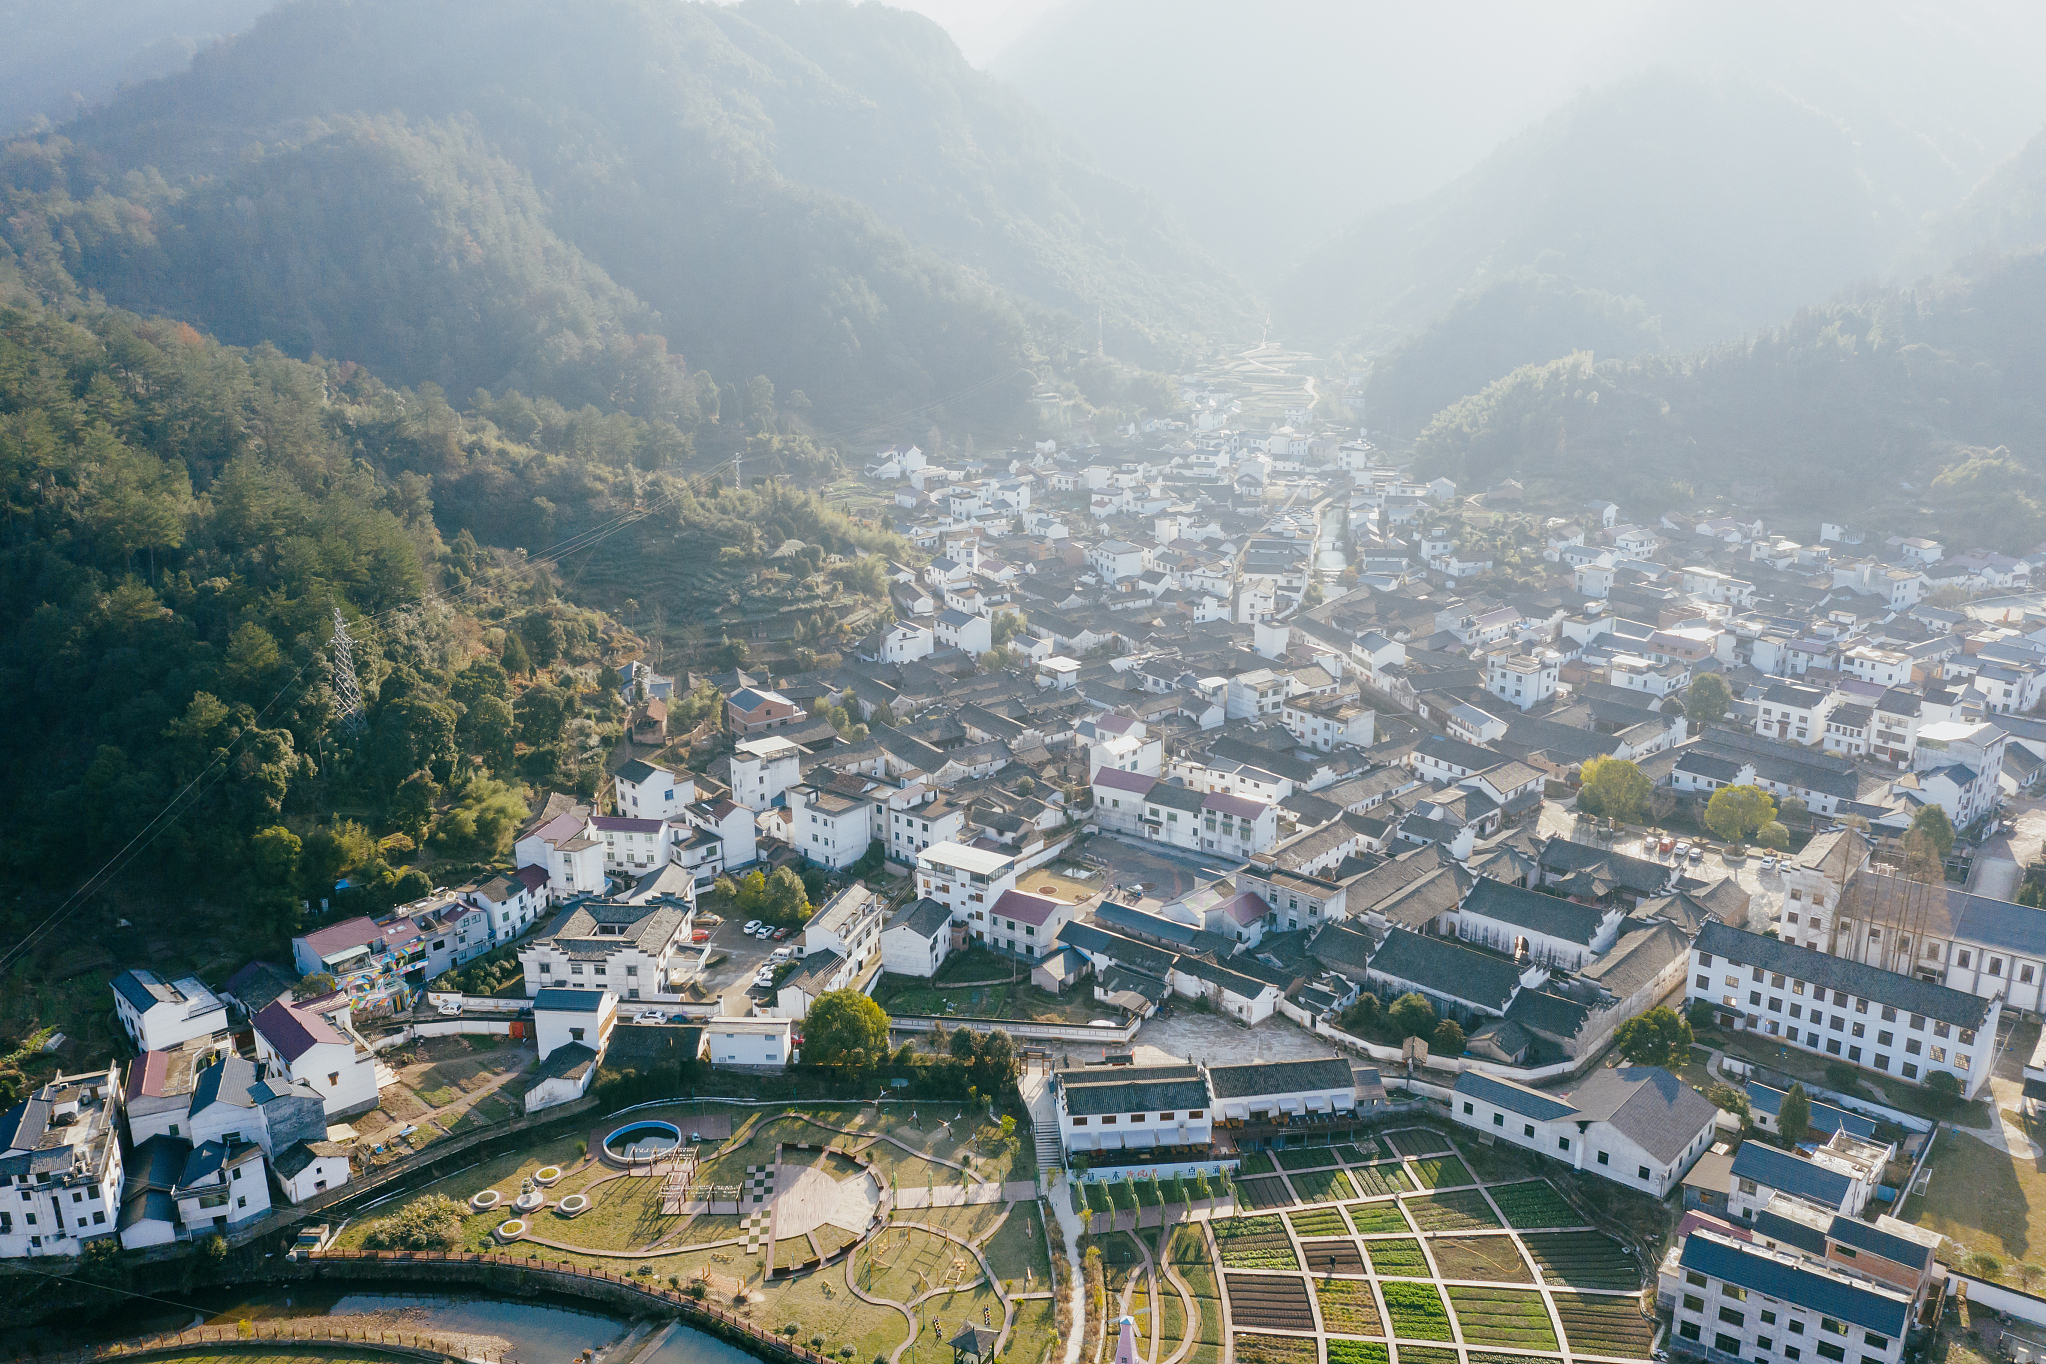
pixel 1737 1300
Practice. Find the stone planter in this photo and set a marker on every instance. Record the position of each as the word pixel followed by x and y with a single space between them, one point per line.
pixel 510 1231
pixel 485 1201
pixel 547 1174
pixel 574 1205
pixel 530 1201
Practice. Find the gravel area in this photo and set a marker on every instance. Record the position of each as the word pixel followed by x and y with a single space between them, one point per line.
pixel 1182 1032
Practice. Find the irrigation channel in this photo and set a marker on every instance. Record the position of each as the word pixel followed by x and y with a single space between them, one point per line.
pixel 532 1331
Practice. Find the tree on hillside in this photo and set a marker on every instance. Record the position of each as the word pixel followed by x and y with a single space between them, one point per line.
pixel 1660 1037
pixel 1708 698
pixel 1448 1040
pixel 786 900
pixel 1412 1014
pixel 1735 812
pixel 1794 1117
pixel 845 1028
pixel 1932 822
pixel 1613 787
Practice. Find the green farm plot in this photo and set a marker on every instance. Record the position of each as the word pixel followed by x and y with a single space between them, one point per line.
pixel 1582 1259
pixel 1269 1192
pixel 1347 1307
pixel 1605 1326
pixel 1319 1222
pixel 1374 1218
pixel 1534 1204
pixel 1323 1186
pixel 1458 1210
pixel 1416 1310
pixel 1427 1354
pixel 1349 1155
pixel 1355 1352
pixel 1377 1180
pixel 1253 1243
pixel 1401 1258
pixel 1500 1316
pixel 1484 1259
pixel 1438 1172
pixel 1309 1158
pixel 1255 1163
pixel 1253 1348
pixel 1419 1141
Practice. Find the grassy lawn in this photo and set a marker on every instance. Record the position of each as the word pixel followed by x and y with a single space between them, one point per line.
pixel 1017 1246
pixel 1035 1333
pixel 973 1221
pixel 817 1304
pixel 1983 1199
pixel 903 1261
pixel 1018 1000
pixel 1190 1257
pixel 944 1313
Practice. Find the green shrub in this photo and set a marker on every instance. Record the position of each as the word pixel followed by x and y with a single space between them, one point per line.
pixel 430 1223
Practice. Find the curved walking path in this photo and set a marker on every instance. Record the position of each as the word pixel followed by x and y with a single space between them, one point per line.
pixel 1061 1201
pixel 987 1276
pixel 872 1137
pixel 1190 1310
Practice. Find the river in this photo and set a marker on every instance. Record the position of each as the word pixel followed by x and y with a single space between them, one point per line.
pixel 536 1331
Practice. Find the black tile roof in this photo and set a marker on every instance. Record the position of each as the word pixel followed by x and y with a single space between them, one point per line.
pixel 1755 1269
pixel 1446 968
pixel 1838 973
pixel 1533 911
pixel 1280 1077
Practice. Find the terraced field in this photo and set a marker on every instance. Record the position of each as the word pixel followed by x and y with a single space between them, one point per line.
pixel 1332 1257
pixel 1416 1310
pixel 1441 1172
pixel 1376 1180
pixel 1356 1352
pixel 1582 1259
pixel 1319 1222
pixel 1309 1158
pixel 1604 1326
pixel 1269 1192
pixel 1347 1307
pixel 1371 1218
pixel 1254 1243
pixel 1457 1210
pixel 1418 1141
pixel 1402 1258
pixel 1534 1204
pixel 1323 1186
pixel 1489 1259
pixel 1500 1316
pixel 1252 1348
pixel 1276 1300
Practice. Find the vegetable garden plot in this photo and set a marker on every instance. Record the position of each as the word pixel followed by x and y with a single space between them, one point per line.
pixel 1369 1218
pixel 1269 1192
pixel 1278 1300
pixel 1426 1354
pixel 1438 1172
pixel 1500 1316
pixel 1402 1258
pixel 1460 1210
pixel 1347 1307
pixel 1332 1257
pixel 1582 1259
pixel 1350 1155
pixel 1323 1186
pixel 1309 1158
pixel 1533 1204
pixel 1417 1311
pixel 1319 1222
pixel 1486 1259
pixel 1257 1349
pixel 1375 1180
pixel 1605 1326
pixel 1419 1141
pixel 1254 1243
pixel 1255 1163
pixel 1356 1352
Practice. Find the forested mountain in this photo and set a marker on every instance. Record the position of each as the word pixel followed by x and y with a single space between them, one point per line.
pixel 492 194
pixel 1720 205
pixel 1891 408
pixel 2005 212
pixel 63 56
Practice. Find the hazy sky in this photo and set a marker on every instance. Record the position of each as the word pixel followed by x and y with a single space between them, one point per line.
pixel 980 27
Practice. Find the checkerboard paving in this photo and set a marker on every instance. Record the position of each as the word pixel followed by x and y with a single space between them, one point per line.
pixel 759 1231
pixel 759 1185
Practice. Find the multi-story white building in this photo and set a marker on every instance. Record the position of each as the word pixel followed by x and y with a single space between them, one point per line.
pixel 1740 1300
pixel 649 791
pixel 963 879
pixel 60 1166
pixel 1019 923
pixel 1788 711
pixel 509 903
pixel 1956 766
pixel 1842 1009
pixel 160 1014
pixel 917 940
pixel 323 1051
pixel 848 924
pixel 1133 1108
pixel 1639 1126
pixel 1257 693
pixel 630 949
pixel 912 830
pixel 222 1187
pixel 1329 722
pixel 958 630
pixel 749 1043
pixel 762 769
pixel 562 842
pixel 632 847
pixel 233 1102
pixel 829 827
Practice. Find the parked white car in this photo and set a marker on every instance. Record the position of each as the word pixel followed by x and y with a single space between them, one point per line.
pixel 752 927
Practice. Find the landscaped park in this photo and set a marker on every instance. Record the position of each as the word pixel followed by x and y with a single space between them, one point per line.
pixel 1404 1248
pixel 869 1232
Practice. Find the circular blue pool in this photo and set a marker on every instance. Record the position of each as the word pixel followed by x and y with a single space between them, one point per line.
pixel 644 1140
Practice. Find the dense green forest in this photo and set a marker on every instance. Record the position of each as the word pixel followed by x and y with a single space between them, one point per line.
pixel 1720 206
pixel 184 518
pixel 514 195
pixel 1892 408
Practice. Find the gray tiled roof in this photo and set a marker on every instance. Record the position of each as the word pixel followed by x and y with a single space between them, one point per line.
pixel 1778 1169
pixel 1754 1269
pixel 1514 1098
pixel 1133 1089
pixel 1538 913
pixel 1280 1077
pixel 1655 1109
pixel 1838 973
pixel 1446 968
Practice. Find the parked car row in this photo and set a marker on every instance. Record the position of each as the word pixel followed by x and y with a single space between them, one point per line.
pixel 753 928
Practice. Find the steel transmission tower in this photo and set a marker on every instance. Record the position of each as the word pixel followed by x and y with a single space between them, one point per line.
pixel 347 691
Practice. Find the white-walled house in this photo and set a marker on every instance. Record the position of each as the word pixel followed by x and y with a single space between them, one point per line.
pixel 562 1017
pixel 511 902
pixel 1137 1108
pixel 1271 1090
pixel 160 1014
pixel 61 1163
pixel 828 827
pixel 1639 1126
pixel 1019 923
pixel 912 830
pixel 307 1168
pixel 848 924
pixel 763 769
pixel 562 841
pixel 297 1042
pixel 223 1186
pixel 232 1101
pixel 649 791
pixel 917 940
pixel 749 1043
pixel 601 945
pixel 963 879
pixel 968 633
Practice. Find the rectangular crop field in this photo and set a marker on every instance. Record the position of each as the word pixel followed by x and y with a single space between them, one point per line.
pixel 1402 1258
pixel 1535 1204
pixel 1332 1257
pixel 1268 1192
pixel 1485 1259
pixel 1500 1316
pixel 1319 1222
pixel 1437 1172
pixel 1458 1210
pixel 1257 1349
pixel 1347 1307
pixel 1278 1300
pixel 1605 1326
pixel 1349 1155
pixel 1356 1352
pixel 1372 1218
pixel 1254 1243
pixel 1309 1158
pixel 1254 1163
pixel 1323 1186
pixel 1375 1180
pixel 1582 1259
pixel 1426 1354
pixel 1419 1141
pixel 1417 1311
